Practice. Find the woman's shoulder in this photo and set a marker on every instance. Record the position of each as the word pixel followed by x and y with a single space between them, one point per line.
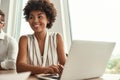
pixel 25 37
pixel 56 36
pixel 54 33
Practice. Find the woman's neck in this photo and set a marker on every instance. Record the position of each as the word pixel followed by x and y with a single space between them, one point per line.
pixel 41 35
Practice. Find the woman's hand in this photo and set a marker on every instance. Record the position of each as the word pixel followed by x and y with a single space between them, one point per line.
pixel 54 69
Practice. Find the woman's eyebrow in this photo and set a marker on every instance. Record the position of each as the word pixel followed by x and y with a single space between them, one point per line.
pixel 40 13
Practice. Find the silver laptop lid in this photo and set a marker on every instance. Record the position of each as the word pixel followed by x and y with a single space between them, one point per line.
pixel 87 59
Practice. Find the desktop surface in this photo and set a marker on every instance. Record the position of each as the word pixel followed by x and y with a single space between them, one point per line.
pixel 104 77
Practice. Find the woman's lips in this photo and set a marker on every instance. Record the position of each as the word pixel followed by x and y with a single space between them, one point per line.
pixel 36 26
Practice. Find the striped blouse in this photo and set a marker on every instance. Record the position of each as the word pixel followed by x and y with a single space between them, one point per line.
pixel 50 52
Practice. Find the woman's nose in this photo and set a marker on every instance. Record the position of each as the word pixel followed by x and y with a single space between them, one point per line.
pixel 36 20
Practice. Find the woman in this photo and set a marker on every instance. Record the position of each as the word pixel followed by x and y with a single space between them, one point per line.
pixel 41 52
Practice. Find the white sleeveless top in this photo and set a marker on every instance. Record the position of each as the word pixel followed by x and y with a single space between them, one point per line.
pixel 50 51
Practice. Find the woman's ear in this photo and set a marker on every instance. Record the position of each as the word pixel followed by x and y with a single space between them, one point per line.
pixel 48 21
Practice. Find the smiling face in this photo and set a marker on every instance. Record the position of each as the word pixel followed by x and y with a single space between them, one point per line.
pixel 38 21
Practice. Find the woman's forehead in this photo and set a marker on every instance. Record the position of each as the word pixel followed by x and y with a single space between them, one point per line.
pixel 36 12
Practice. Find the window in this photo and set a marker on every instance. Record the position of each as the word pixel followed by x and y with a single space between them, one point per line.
pixel 97 20
pixel 24 24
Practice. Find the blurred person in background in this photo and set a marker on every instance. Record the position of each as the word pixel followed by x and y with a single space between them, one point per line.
pixel 8 47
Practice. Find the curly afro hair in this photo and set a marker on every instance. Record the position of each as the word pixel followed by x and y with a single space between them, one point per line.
pixel 41 5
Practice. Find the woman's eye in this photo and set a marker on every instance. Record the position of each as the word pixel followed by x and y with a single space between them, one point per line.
pixel 39 17
pixel 30 17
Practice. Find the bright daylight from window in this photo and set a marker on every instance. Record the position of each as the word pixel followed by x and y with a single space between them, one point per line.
pixel 97 20
pixel 25 28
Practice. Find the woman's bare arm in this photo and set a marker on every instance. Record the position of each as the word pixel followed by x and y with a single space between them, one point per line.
pixel 61 50
pixel 22 65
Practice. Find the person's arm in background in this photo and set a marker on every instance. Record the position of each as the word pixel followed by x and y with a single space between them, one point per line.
pixel 0 67
pixel 10 61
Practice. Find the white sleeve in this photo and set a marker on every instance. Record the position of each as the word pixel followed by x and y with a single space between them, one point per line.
pixel 10 62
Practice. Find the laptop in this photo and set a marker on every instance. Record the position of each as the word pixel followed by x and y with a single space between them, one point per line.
pixel 87 59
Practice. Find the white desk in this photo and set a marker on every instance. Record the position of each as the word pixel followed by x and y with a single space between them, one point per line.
pixel 14 72
pixel 104 77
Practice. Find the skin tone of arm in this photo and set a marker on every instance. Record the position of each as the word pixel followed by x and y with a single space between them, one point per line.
pixel 60 50
pixel 22 65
